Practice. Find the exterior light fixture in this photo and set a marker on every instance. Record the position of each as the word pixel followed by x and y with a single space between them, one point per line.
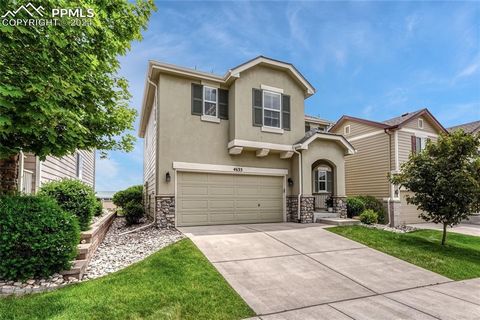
pixel 290 182
pixel 167 177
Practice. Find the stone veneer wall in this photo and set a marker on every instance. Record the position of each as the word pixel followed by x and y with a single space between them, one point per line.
pixel 9 174
pixel 340 206
pixel 165 211
pixel 292 202
pixel 307 207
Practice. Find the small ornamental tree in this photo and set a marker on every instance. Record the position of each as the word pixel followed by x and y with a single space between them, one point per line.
pixel 59 87
pixel 445 179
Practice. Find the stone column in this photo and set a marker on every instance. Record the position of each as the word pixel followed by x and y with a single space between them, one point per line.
pixel 291 210
pixel 9 175
pixel 340 206
pixel 165 211
pixel 307 207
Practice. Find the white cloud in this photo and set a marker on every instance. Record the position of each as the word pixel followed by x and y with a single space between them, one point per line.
pixel 469 70
pixel 411 22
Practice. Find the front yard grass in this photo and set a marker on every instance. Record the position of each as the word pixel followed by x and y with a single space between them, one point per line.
pixel 177 282
pixel 459 259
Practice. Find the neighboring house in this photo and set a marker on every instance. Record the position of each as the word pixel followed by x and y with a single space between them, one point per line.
pixel 232 149
pixel 106 197
pixel 382 147
pixel 312 122
pixel 471 127
pixel 33 172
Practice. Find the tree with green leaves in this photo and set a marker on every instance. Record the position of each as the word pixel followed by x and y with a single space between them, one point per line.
pixel 445 179
pixel 59 88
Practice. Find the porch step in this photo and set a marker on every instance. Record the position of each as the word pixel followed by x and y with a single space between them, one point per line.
pixel 338 221
pixel 325 214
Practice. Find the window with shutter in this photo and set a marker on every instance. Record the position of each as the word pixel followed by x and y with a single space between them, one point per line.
pixel 272 109
pixel 286 112
pixel 197 99
pixel 223 104
pixel 257 103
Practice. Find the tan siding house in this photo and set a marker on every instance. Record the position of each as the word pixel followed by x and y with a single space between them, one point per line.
pixel 382 148
pixel 80 165
pixel 233 148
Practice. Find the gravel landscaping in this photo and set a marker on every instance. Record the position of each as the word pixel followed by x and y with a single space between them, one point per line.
pixel 397 229
pixel 114 253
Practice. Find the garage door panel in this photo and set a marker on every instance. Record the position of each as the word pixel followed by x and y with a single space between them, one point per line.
pixel 205 198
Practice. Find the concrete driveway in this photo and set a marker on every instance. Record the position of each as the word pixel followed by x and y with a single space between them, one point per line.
pixel 294 271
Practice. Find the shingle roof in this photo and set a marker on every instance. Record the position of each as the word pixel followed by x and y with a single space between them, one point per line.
pixel 470 127
pixel 315 118
pixel 312 132
pixel 404 117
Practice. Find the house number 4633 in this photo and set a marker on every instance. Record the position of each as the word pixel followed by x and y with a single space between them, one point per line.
pixel 238 169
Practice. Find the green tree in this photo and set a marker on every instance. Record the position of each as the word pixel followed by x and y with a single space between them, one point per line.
pixel 59 88
pixel 445 179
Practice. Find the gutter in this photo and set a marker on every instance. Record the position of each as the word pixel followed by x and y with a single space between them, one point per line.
pixel 155 213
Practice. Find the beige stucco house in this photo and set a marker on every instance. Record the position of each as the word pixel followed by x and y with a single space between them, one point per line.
pixel 33 172
pixel 233 149
pixel 382 147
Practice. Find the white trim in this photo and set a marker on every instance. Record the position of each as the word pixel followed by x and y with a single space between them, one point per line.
pixel 420 120
pixel 285 199
pixel 38 169
pixel 235 150
pixel 326 136
pixel 366 135
pixel 273 130
pixel 345 130
pixel 269 88
pixel 286 154
pixel 262 152
pixel 419 133
pixel 21 168
pixel 218 168
pixel 259 145
pixel 175 190
pixel 210 119
pixel 397 161
pixel 271 109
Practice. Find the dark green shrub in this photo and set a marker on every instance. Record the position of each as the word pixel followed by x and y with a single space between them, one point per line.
pixel 135 193
pixel 98 208
pixel 376 205
pixel 369 217
pixel 355 206
pixel 133 212
pixel 131 202
pixel 37 238
pixel 73 196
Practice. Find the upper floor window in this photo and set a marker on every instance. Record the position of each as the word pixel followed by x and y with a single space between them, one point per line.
pixel 419 144
pixel 346 129
pixel 271 109
pixel 420 123
pixel 79 167
pixel 210 101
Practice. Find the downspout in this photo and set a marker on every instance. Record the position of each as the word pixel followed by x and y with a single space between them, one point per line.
pixel 300 184
pixel 154 214
pixel 390 220
pixel 21 167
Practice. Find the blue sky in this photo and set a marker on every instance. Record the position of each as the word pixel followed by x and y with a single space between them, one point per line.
pixel 368 59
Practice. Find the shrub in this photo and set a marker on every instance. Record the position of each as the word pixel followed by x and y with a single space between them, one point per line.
pixel 369 217
pixel 37 237
pixel 135 193
pixel 73 196
pixel 355 206
pixel 98 208
pixel 133 212
pixel 131 202
pixel 376 205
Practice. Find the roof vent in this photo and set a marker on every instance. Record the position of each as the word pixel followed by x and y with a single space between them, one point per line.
pixel 405 114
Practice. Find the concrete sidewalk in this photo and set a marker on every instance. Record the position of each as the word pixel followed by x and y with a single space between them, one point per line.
pixel 294 271
pixel 463 228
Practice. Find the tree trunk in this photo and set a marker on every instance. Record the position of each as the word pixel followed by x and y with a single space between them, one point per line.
pixel 9 175
pixel 444 236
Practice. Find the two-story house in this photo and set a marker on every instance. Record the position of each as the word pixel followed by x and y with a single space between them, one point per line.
pixel 312 122
pixel 382 147
pixel 233 149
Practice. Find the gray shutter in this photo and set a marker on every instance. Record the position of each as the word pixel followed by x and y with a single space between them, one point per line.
pixel 223 104
pixel 414 144
pixel 286 112
pixel 257 113
pixel 197 99
pixel 329 181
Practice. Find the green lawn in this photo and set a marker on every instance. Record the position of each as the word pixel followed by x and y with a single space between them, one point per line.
pixel 458 260
pixel 177 282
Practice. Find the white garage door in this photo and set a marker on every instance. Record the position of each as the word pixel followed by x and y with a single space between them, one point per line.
pixel 207 198
pixel 408 212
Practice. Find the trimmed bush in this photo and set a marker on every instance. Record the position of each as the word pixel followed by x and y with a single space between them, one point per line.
pixel 133 212
pixel 131 202
pixel 135 194
pixel 37 237
pixel 369 217
pixel 376 205
pixel 355 206
pixel 98 208
pixel 73 196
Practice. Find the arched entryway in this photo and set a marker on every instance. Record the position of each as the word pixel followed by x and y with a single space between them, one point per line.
pixel 323 173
